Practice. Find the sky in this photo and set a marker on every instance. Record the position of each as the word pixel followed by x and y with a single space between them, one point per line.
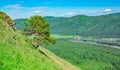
pixel 26 8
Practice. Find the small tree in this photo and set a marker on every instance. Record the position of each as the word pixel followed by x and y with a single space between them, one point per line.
pixel 38 26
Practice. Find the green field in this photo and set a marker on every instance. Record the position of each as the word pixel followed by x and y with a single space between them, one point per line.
pixel 88 56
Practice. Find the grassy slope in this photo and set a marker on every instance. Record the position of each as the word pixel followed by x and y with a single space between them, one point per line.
pixel 88 56
pixel 64 64
pixel 17 54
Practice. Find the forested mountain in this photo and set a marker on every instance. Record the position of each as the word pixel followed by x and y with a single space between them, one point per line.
pixel 20 23
pixel 97 26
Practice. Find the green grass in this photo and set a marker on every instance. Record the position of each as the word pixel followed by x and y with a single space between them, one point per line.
pixel 23 58
pixel 16 53
pixel 88 56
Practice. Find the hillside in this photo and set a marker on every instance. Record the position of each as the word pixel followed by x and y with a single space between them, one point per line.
pixel 17 53
pixel 101 26
pixel 20 23
pixel 96 26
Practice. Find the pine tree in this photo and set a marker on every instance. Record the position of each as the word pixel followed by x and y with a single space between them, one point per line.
pixel 37 25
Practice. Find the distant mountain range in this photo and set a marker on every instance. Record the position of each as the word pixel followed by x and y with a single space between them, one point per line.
pixel 96 26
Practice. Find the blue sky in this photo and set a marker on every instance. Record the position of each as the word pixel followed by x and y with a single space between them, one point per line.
pixel 27 8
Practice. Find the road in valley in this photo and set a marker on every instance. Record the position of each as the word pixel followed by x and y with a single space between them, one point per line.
pixel 118 47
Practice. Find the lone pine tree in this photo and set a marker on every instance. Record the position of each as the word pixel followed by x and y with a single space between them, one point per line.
pixel 38 26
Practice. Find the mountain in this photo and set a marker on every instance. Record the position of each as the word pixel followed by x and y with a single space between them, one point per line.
pixel 17 53
pixel 96 26
pixel 20 23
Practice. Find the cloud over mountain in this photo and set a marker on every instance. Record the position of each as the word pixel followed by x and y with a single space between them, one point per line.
pixel 107 10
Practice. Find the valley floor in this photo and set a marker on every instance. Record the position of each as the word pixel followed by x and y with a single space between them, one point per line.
pixel 87 56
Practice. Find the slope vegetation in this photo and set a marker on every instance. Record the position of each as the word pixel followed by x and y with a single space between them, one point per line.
pixel 17 53
pixel 64 64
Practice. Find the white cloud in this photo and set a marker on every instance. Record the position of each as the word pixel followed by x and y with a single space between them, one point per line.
pixel 70 14
pixel 107 10
pixel 15 6
pixel 24 12
pixel 38 11
pixel 45 13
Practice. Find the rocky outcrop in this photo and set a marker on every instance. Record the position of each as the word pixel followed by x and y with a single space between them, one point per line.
pixel 7 19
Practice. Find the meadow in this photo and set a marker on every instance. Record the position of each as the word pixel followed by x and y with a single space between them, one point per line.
pixel 87 56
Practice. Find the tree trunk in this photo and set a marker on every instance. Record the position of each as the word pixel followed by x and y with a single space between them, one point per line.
pixel 37 45
pixel 37 36
pixel 13 27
